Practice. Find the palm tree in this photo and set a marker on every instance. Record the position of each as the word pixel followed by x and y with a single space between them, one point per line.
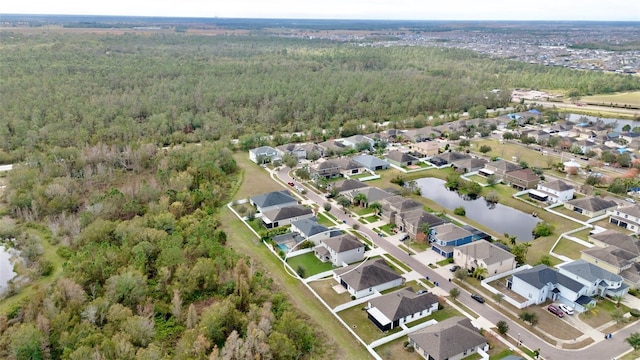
pixel 618 316
pixel 591 308
pixel 425 228
pixel 377 207
pixel 360 199
pixel 618 299
pixel 479 272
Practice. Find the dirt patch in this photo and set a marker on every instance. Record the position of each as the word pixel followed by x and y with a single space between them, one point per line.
pixel 324 288
pixel 554 325
pixel 395 351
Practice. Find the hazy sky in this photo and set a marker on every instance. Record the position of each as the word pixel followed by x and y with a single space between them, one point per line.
pixel 341 9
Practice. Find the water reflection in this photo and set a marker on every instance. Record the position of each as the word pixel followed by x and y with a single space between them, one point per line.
pixel 6 269
pixel 497 217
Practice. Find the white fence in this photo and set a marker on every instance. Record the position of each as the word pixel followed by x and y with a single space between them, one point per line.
pixel 485 284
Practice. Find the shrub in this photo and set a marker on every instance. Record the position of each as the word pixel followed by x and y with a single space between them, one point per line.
pixel 460 211
pixel 633 292
pixel 634 312
pixel 542 229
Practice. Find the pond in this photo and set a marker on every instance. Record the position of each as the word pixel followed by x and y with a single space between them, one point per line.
pixel 6 268
pixel 497 217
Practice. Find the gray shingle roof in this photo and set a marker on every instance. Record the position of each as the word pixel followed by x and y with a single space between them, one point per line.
pixel 454 156
pixel 593 204
pixel 273 199
pixel 399 304
pixel 370 161
pixel 503 165
pixel 373 194
pixel 348 185
pixel 541 275
pixel 485 251
pixel 400 157
pixel 343 243
pixel 632 210
pixel 611 255
pixel 557 185
pixel 309 227
pixel 448 338
pixel 287 212
pixel 620 240
pixel 589 271
pixel 368 274
pixel 448 232
pixel 419 217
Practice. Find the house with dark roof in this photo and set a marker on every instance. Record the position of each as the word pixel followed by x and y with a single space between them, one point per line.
pixel 469 165
pixel 483 254
pixel 414 222
pixel 263 154
pixel 597 280
pixel 367 278
pixel 348 185
pixel 285 215
pixel 309 229
pixel 340 250
pixel 349 167
pixel 371 162
pixel 553 191
pixel 444 238
pixel 610 258
pixel 590 206
pixel 400 307
pixel 401 159
pixel 541 283
pixel 451 339
pixel 522 179
pixel 325 170
pixel 627 217
pixel 273 200
pixel 301 151
pixel 617 239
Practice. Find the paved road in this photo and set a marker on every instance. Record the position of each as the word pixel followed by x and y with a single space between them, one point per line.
pixel 569 106
pixel 600 351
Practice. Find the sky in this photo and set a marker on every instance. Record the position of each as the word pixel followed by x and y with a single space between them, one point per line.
pixel 598 10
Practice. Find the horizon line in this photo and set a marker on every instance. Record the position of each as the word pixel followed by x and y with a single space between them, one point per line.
pixel 314 18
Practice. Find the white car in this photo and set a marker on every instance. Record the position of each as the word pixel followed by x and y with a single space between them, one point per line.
pixel 566 309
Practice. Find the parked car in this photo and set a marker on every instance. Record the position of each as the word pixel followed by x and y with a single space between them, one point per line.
pixel 630 200
pixel 405 237
pixel 477 298
pixel 567 310
pixel 422 291
pixel 290 183
pixel 554 310
pixel 454 268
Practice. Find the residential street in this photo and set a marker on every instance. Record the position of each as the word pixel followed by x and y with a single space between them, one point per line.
pixel 601 350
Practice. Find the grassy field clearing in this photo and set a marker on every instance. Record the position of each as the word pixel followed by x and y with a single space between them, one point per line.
pixel 629 98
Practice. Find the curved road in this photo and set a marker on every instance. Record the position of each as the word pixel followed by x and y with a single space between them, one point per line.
pixel 601 350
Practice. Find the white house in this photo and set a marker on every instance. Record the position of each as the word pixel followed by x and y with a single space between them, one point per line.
pixel 555 191
pixel 541 282
pixel 263 154
pixel 400 307
pixel 485 255
pixel 627 217
pixel 596 280
pixel 367 278
pixel 340 250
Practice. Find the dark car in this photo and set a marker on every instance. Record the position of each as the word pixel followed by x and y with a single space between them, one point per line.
pixel 554 310
pixel 454 268
pixel 477 298
pixel 290 183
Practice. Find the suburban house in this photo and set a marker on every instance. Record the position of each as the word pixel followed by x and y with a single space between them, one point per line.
pixel 613 259
pixel 499 168
pixel 309 229
pixel 522 179
pixel 469 165
pixel 451 157
pixel 325 170
pixel 451 339
pixel 617 239
pixel 348 167
pixel 401 159
pixel 590 206
pixel 400 307
pixel 553 191
pixel 372 194
pixel 273 200
pixel 334 146
pixel 263 154
pixel 340 250
pixel 367 278
pixel 596 280
pixel 541 282
pixel 447 236
pixel 285 215
pixel 395 205
pixel 485 255
pixel 414 222
pixel 427 148
pixel 301 151
pixel 348 185
pixel 627 217
pixel 371 162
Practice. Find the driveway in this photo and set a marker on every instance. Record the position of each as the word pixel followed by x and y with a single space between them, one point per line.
pixel 603 349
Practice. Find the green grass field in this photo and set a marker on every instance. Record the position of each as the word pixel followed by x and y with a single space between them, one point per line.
pixel 310 263
pixel 628 98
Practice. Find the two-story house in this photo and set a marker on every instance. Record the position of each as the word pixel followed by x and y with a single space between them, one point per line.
pixel 414 222
pixel 340 250
pixel 627 217
pixel 553 191
pixel 263 154
pixel 596 280
pixel 541 283
pixel 522 179
pixel 486 255
pixel 444 238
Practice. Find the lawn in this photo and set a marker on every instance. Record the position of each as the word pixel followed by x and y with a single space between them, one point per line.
pixel 356 318
pixel 398 262
pixel 508 150
pixel 395 350
pixel 569 248
pixel 310 263
pixel 570 213
pixel 324 288
pixel 602 316
pixel 477 178
pixel 628 98
pixel 361 210
pixel 388 228
pixel 255 180
pixel 323 219
pixel 372 218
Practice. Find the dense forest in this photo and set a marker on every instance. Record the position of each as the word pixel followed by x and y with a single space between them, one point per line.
pixel 111 205
pixel 173 88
